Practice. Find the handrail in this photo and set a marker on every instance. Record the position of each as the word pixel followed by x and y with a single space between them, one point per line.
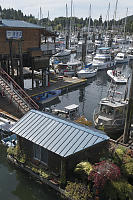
pixel 19 90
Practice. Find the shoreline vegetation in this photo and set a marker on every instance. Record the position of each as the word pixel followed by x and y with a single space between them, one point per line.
pixel 110 178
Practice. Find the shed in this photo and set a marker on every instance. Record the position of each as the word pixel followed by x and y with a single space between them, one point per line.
pixel 58 142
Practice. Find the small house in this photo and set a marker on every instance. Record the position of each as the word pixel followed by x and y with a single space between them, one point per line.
pixel 57 143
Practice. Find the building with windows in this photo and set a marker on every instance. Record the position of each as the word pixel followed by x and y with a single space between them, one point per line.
pixel 20 46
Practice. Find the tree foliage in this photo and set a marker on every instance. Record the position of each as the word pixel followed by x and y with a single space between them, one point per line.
pixel 102 172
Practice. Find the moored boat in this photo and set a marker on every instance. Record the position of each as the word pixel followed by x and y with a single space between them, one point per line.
pixel 103 59
pixel 121 58
pixel 47 96
pixel 87 72
pixel 117 76
pixel 111 113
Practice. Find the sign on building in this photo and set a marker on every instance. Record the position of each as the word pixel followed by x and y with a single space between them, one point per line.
pixel 13 35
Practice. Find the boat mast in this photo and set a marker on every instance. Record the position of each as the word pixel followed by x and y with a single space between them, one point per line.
pixel 88 29
pixel 108 16
pixel 115 12
pixel 125 23
pixel 71 22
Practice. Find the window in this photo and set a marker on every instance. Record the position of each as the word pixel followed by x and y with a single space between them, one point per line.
pixel 41 153
pixel 37 151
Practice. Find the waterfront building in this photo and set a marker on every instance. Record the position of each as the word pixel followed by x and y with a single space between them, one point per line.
pixel 58 144
pixel 20 46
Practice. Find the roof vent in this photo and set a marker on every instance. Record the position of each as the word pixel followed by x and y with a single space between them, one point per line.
pixel 0 18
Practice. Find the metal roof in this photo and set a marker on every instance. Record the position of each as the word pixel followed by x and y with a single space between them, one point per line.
pixel 18 24
pixel 58 135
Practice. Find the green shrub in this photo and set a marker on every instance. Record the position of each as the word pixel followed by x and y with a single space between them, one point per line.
pixel 120 151
pixel 129 168
pixel 17 153
pixel 83 167
pixel 117 190
pixel 77 191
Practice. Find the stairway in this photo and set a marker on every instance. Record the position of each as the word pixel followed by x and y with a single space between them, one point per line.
pixel 15 93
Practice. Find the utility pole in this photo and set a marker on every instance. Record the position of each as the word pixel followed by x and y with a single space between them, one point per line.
pixel 129 114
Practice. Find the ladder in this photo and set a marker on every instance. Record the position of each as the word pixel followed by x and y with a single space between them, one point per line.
pixel 15 93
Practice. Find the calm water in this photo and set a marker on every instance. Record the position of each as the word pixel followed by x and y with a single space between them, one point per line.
pixel 16 184
pixel 89 96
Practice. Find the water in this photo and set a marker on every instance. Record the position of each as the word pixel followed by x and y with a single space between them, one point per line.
pixel 15 184
pixel 89 96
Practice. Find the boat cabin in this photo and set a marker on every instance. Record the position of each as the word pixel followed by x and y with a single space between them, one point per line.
pixel 113 109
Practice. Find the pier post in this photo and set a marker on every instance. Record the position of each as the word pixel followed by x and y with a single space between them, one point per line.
pixel 21 76
pixel 63 172
pixel 129 114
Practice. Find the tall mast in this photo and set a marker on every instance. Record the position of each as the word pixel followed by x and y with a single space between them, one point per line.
pixel 108 16
pixel 125 23
pixel 89 20
pixel 115 11
pixel 71 21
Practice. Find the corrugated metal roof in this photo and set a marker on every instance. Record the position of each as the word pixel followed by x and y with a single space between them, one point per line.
pixel 58 135
pixel 19 24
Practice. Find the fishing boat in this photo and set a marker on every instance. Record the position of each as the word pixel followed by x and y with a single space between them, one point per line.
pixel 103 58
pixel 117 76
pixel 87 72
pixel 121 58
pixel 111 113
pixel 46 97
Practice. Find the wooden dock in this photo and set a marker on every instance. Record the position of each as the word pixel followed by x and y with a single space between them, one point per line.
pixel 61 83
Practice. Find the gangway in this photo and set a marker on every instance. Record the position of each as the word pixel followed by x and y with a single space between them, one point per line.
pixel 15 93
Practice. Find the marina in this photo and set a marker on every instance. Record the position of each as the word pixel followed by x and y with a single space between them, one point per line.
pixel 66 99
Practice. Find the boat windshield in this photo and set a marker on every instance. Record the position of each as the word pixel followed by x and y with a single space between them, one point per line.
pixel 108 110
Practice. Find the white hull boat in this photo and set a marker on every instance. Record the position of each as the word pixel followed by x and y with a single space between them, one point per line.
pixel 117 76
pixel 111 113
pixel 87 73
pixel 102 59
pixel 121 58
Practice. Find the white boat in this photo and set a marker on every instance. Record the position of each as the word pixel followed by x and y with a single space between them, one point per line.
pixel 117 76
pixel 111 113
pixel 130 53
pixel 121 58
pixel 70 68
pixel 103 59
pixel 87 72
pixel 63 53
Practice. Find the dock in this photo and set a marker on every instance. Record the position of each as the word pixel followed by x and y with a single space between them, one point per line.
pixel 60 83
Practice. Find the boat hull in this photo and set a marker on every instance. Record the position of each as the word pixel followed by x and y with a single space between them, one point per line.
pixel 85 74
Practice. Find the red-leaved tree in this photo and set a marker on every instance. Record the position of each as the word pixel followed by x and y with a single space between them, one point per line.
pixel 102 172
